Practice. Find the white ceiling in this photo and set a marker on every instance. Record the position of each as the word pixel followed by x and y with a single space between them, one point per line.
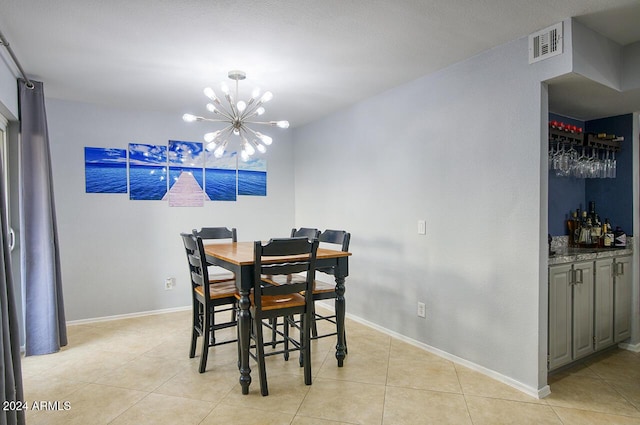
pixel 316 56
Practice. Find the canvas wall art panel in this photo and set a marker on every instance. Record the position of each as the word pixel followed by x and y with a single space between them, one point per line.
pixel 147 171
pixel 105 170
pixel 221 176
pixel 186 184
pixel 252 177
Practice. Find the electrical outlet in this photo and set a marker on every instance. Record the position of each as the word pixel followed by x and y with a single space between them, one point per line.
pixel 422 227
pixel 169 283
pixel 422 310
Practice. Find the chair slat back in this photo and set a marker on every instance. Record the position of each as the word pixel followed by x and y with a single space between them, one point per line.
pixel 266 263
pixel 217 233
pixel 307 232
pixel 197 262
pixel 334 237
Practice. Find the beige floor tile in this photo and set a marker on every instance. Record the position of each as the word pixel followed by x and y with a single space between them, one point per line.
pixel 157 409
pixel 411 367
pixel 142 373
pixel 406 406
pixel 580 369
pixel 345 401
pixel 286 393
pixel 42 388
pixel 226 415
pixel 617 366
pixel 359 365
pixel 211 386
pixel 93 404
pixel 85 365
pixel 475 383
pixel 630 391
pixel 491 411
pixel 586 417
pixel 584 393
pixel 301 420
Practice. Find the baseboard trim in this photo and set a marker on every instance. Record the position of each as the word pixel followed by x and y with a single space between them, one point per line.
pixel 631 347
pixel 530 391
pixel 126 316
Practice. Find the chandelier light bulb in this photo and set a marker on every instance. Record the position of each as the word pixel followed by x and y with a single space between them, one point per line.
pixel 210 137
pixel 211 108
pixel 255 93
pixel 211 146
pixel 244 156
pixel 283 124
pixel 189 118
pixel 265 139
pixel 260 111
pixel 261 148
pixel 220 150
pixel 249 149
pixel 210 93
pixel 267 96
pixel 241 106
pixel 225 88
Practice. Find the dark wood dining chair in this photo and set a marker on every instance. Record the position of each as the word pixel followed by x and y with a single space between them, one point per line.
pixel 306 232
pixel 206 296
pixel 327 290
pixel 288 297
pixel 222 234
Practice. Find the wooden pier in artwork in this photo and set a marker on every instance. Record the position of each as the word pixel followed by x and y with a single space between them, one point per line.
pixel 186 192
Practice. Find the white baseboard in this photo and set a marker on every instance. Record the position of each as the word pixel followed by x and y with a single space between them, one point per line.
pixel 533 392
pixel 631 347
pixel 128 315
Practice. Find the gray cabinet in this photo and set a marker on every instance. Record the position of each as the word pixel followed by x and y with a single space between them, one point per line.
pixel 622 299
pixel 604 303
pixel 571 312
pixel 589 307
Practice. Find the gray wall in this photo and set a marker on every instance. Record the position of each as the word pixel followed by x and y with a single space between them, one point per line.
pixel 462 150
pixel 116 253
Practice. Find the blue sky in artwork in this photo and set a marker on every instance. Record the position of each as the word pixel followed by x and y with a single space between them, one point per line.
pixel 255 164
pixel 228 161
pixel 186 154
pixel 105 156
pixel 142 154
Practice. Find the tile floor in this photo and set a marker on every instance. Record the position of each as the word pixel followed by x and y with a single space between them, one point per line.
pixel 137 371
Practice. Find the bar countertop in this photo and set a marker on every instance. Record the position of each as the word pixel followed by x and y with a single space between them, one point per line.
pixel 562 255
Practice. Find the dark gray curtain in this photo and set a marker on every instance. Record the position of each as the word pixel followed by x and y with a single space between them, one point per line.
pixel 10 371
pixel 45 327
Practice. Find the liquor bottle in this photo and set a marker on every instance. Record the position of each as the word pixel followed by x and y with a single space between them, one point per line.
pixel 608 236
pixel 572 224
pixel 620 238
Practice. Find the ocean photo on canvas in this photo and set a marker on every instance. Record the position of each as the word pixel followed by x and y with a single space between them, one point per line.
pixel 221 176
pixel 105 170
pixel 186 161
pixel 252 177
pixel 147 171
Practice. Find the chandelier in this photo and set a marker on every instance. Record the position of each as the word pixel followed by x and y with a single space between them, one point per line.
pixel 237 114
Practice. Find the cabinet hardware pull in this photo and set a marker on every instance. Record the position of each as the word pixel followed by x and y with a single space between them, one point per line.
pixel 581 281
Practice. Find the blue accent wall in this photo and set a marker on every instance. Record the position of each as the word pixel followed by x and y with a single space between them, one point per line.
pixel 613 197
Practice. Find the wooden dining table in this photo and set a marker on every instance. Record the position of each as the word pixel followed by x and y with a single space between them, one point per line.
pixel 238 257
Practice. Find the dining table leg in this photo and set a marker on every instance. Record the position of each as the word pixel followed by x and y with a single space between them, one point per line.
pixel 244 329
pixel 340 313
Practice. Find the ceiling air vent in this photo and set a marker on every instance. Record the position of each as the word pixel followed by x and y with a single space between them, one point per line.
pixel 545 43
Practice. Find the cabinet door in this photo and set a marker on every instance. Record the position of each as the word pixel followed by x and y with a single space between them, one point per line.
pixel 583 310
pixel 604 303
pixel 559 315
pixel 622 299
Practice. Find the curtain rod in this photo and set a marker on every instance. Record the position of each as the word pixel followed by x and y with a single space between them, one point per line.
pixel 5 43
